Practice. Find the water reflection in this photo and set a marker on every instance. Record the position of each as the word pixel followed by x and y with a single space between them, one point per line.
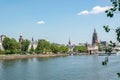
pixel 49 58
pixel 60 68
pixel 8 63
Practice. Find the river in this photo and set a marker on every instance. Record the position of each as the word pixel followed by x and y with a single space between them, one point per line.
pixel 60 68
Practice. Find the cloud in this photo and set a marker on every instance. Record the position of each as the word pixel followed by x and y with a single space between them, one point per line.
pixel 95 10
pixel 83 12
pixel 41 22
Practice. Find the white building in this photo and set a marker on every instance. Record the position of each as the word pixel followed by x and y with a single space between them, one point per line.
pixel 1 40
pixel 92 49
pixel 1 47
pixel 33 44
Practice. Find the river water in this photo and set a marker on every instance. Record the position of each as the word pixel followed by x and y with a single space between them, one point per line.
pixel 60 68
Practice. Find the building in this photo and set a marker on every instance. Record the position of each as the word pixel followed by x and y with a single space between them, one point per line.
pixel 1 41
pixel 103 45
pixel 2 37
pixel 94 38
pixel 94 47
pixel 1 47
pixel 70 46
pixel 20 39
pixel 81 44
pixel 33 44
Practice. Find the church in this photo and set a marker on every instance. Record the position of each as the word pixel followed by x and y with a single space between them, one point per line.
pixel 70 46
pixel 93 48
pixel 33 44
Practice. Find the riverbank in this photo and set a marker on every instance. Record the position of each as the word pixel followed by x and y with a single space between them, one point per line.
pixel 17 56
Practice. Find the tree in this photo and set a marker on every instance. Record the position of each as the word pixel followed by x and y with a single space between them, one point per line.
pixel 43 46
pixel 80 49
pixel 6 43
pixel 55 48
pixel 101 47
pixel 24 45
pixel 31 50
pixel 11 46
pixel 115 7
pixel 110 13
pixel 63 49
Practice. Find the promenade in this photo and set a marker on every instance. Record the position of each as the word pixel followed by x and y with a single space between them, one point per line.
pixel 18 56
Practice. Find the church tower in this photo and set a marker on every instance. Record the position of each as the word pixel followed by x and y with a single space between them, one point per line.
pixel 2 38
pixel 94 38
pixel 69 43
pixel 20 39
pixel 70 46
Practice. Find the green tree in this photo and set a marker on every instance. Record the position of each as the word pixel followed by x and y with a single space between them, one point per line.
pixel 43 46
pixel 115 8
pixel 6 43
pixel 79 49
pixel 55 48
pixel 31 50
pixel 1 52
pixel 11 46
pixel 24 45
pixel 101 47
pixel 75 49
pixel 110 13
pixel 63 49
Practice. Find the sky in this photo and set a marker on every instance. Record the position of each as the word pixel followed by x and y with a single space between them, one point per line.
pixel 57 20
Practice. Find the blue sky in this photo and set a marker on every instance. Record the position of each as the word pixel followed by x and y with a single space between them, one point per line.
pixel 56 20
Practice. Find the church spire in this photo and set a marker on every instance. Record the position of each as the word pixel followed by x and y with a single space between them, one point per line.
pixel 20 39
pixel 69 42
pixel 94 30
pixel 32 39
pixel 94 38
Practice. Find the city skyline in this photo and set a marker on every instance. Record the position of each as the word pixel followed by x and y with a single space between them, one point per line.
pixel 56 21
pixel 94 39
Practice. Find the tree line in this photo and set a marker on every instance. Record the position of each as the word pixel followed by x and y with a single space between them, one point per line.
pixel 11 46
